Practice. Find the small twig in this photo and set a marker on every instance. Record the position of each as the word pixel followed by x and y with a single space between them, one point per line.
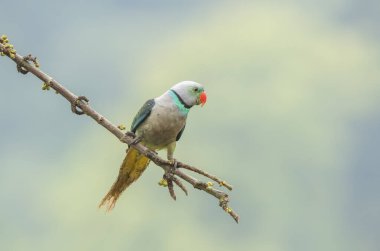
pixel 80 107
pixel 220 195
pixel 180 184
pixel 171 189
pixel 201 172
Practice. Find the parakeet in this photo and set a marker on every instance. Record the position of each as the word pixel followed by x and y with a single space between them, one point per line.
pixel 159 124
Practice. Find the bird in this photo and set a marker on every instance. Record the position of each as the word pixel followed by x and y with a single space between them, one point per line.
pixel 158 125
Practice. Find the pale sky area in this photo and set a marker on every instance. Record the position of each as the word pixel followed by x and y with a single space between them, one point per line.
pixel 292 121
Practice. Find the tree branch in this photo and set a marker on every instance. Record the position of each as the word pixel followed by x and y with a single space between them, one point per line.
pixel 80 106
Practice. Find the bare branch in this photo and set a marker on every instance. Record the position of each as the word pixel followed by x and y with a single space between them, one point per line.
pixel 180 184
pixel 214 178
pixel 79 105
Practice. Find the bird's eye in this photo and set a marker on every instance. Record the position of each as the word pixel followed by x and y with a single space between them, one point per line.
pixel 195 89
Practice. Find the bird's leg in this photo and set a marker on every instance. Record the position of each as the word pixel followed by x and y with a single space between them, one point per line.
pixel 170 152
pixel 168 178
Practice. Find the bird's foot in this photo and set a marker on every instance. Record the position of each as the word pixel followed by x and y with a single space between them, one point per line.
pixel 136 139
pixel 168 173
pixel 168 182
pixel 169 177
pixel 131 134
pixel 173 164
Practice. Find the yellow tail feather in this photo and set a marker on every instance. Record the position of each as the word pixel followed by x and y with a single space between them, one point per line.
pixel 132 167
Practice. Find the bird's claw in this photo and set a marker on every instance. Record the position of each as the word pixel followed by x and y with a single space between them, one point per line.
pixel 131 134
pixel 168 178
pixel 173 163
pixel 136 139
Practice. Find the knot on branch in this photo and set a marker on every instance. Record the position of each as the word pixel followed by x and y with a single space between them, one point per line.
pixel 75 105
pixel 27 59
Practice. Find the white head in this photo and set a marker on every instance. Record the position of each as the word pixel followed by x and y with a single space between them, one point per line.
pixel 190 92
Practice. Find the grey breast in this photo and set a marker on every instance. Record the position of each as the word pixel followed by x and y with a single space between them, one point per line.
pixel 163 125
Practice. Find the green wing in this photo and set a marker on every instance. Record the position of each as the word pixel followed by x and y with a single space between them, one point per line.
pixel 142 115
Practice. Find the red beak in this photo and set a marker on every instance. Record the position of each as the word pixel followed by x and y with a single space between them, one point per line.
pixel 202 98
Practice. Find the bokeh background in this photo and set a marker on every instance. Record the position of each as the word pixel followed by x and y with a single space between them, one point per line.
pixel 292 121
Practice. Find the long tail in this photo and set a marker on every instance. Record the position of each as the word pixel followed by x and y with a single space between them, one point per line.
pixel 132 167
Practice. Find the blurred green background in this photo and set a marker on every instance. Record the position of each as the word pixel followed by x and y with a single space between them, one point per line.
pixel 292 121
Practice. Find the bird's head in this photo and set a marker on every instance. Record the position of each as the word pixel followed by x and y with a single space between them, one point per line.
pixel 191 93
